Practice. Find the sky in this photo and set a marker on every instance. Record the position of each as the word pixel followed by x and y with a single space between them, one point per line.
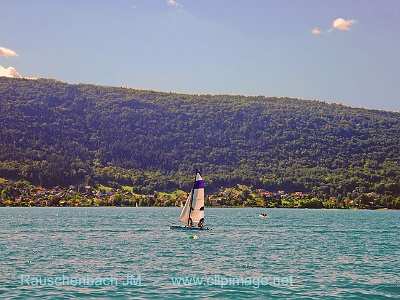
pixel 336 51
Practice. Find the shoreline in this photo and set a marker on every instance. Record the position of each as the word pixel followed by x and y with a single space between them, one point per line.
pixel 207 207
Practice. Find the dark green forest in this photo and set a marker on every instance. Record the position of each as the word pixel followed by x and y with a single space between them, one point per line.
pixel 54 133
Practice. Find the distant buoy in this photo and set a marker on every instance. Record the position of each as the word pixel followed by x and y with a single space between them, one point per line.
pixel 193 237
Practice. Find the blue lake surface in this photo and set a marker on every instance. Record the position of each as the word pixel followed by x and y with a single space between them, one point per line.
pixel 130 253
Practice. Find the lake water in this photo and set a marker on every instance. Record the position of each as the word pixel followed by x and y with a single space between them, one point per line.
pixel 125 253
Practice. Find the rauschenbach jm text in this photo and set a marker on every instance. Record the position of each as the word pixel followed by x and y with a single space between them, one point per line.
pixel 87 280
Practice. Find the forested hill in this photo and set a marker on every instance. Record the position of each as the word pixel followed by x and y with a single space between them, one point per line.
pixel 53 133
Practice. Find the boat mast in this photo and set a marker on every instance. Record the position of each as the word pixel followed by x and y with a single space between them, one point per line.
pixel 191 198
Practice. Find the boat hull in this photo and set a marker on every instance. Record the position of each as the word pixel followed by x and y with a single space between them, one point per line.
pixel 177 227
pixel 263 216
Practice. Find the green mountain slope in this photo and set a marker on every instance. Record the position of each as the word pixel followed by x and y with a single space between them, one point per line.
pixel 53 133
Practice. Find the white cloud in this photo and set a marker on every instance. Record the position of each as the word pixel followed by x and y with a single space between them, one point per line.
pixel 316 31
pixel 342 24
pixel 173 3
pixel 9 72
pixel 339 23
pixel 7 52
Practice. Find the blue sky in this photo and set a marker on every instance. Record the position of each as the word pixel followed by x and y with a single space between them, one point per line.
pixel 336 51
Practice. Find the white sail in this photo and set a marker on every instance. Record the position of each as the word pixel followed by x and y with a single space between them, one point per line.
pixel 184 217
pixel 197 213
pixel 194 206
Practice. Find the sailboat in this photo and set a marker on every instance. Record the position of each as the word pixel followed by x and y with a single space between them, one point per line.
pixel 192 213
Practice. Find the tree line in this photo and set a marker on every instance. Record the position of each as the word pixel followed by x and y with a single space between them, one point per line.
pixel 54 133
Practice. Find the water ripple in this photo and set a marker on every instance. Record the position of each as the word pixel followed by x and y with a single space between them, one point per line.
pixel 324 254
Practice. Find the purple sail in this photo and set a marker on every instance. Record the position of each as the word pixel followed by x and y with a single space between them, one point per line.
pixel 199 184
